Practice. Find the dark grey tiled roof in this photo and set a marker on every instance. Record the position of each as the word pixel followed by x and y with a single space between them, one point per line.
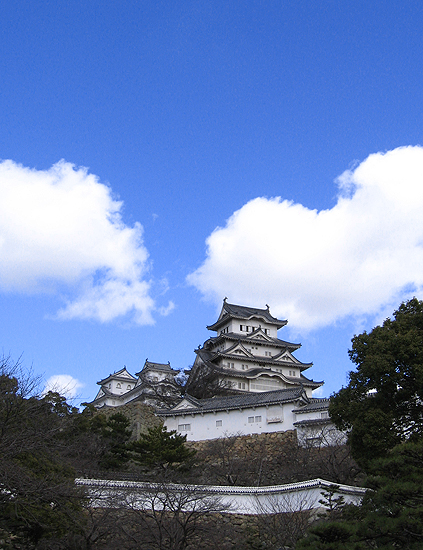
pixel 247 312
pixel 314 405
pixel 313 422
pixel 107 393
pixel 243 312
pixel 162 367
pixel 254 373
pixel 265 360
pixel 117 376
pixel 207 357
pixel 245 339
pixel 241 401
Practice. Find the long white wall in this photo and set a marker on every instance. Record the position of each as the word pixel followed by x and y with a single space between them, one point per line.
pixel 293 497
pixel 211 425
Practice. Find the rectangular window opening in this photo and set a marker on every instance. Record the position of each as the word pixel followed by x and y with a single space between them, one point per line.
pixel 184 427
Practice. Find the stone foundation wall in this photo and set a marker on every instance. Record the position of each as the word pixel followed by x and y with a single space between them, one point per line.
pixel 269 444
pixel 140 415
pixel 250 460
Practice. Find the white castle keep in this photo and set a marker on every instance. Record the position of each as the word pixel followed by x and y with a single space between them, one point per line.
pixel 244 380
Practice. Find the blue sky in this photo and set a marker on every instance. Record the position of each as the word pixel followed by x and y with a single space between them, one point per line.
pixel 159 156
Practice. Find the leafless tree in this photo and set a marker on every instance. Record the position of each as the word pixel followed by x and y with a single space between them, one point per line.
pixel 161 394
pixel 167 517
pixel 283 520
pixel 208 382
pixel 327 455
pixel 228 461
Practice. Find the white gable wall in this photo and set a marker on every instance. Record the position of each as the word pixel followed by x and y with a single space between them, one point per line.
pixel 118 387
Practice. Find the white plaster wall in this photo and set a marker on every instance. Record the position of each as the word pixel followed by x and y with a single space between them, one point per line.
pixel 241 500
pixel 123 386
pixel 234 325
pixel 275 418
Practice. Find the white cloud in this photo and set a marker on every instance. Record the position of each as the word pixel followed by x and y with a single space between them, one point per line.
pixel 167 310
pixel 61 231
pixel 319 392
pixel 316 267
pixel 64 384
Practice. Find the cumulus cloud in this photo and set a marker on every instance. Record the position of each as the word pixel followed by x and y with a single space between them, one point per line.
pixel 61 231
pixel 64 384
pixel 317 267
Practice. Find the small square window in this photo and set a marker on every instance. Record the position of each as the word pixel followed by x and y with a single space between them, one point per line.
pixel 258 418
pixel 184 427
pixel 218 423
pixel 250 419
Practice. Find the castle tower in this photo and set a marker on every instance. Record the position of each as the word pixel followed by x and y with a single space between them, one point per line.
pixel 246 355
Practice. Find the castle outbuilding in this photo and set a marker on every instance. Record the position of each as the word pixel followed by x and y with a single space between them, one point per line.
pixel 154 385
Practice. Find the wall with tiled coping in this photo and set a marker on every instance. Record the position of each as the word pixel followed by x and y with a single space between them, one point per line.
pixel 292 497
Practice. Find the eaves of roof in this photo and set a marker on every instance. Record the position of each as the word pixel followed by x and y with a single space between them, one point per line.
pixel 248 400
pixel 271 341
pixel 117 376
pixel 108 395
pixel 255 372
pixel 312 422
pixel 264 360
pixel 136 391
pixel 313 405
pixel 244 313
pixel 157 367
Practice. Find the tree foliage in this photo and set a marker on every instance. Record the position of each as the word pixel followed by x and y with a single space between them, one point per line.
pixel 116 433
pixel 382 404
pixel 158 447
pixel 391 514
pixel 37 490
pixel 382 410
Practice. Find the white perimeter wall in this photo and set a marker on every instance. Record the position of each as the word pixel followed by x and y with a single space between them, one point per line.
pixel 242 500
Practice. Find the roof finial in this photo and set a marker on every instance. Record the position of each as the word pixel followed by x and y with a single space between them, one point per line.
pixel 224 299
pixel 267 305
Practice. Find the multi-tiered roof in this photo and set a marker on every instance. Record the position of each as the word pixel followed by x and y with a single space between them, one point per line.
pixel 247 355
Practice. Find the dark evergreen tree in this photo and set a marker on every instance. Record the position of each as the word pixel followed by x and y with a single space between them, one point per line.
pixel 158 447
pixel 391 515
pixel 382 410
pixel 382 404
pixel 37 491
